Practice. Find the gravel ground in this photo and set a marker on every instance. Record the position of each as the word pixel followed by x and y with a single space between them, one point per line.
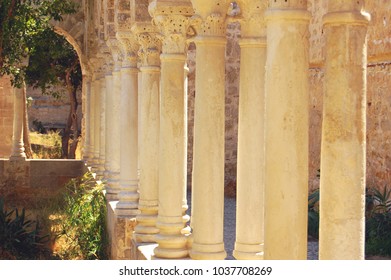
pixel 230 225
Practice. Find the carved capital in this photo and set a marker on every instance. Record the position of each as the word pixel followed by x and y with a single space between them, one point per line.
pixel 129 47
pixel 213 25
pixel 115 50
pixel 174 31
pixel 288 4
pixel 173 21
pixel 252 18
pixel 150 45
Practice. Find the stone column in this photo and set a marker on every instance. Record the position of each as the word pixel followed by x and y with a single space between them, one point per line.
pixel 17 135
pixel 172 19
pixel 128 196
pixel 286 130
pixel 86 115
pixel 113 137
pixel 108 121
pixel 342 180
pixel 97 125
pixel 93 159
pixel 209 130
pixel 148 132
pixel 102 126
pixel 251 144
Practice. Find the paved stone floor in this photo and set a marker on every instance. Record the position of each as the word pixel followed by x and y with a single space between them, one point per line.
pixel 229 230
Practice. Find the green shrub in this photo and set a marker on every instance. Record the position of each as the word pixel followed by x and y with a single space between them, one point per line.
pixel 378 222
pixel 20 238
pixel 313 214
pixel 84 219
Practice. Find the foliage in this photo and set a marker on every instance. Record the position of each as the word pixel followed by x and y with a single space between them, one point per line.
pixel 313 214
pixel 378 222
pixel 20 21
pixel 84 219
pixel 20 238
pixel 51 59
pixel 46 146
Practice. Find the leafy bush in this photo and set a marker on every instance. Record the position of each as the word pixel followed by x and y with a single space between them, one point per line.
pixel 20 238
pixel 313 214
pixel 83 223
pixel 378 222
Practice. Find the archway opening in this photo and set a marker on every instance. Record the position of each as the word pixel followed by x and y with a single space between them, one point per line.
pixel 54 95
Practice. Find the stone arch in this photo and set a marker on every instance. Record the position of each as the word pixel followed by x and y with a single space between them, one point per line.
pixel 73 28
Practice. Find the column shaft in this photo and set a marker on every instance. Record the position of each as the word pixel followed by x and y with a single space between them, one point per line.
pixel 342 181
pixel 97 105
pixel 251 152
pixel 92 124
pixel 86 116
pixel 17 137
pixel 148 143
pixel 102 126
pixel 172 158
pixel 208 146
pixel 286 134
pixel 128 199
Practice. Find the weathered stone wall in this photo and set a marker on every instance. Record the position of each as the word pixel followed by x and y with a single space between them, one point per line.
pixel 24 181
pixel 51 112
pixel 6 117
pixel 379 125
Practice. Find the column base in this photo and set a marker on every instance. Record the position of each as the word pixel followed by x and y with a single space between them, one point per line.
pixel 128 212
pixel 208 251
pixel 17 157
pixel 248 251
pixel 144 238
pixel 146 230
pixel 171 246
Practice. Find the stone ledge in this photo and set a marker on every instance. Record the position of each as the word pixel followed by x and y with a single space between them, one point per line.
pixel 120 231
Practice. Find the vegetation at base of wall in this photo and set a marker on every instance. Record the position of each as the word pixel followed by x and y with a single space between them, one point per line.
pixel 82 221
pixel 46 146
pixel 378 222
pixel 20 238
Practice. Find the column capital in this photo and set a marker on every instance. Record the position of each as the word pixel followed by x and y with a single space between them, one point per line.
pixel 150 45
pixel 129 47
pixel 346 5
pixel 115 50
pixel 172 18
pixel 288 4
pixel 210 16
pixel 252 18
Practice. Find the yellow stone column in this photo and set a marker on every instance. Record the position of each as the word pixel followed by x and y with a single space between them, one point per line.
pixel 94 148
pixel 209 130
pixel 148 132
pixel 128 196
pixel 108 121
pixel 286 130
pixel 343 152
pixel 114 136
pixel 17 135
pixel 97 111
pixel 102 126
pixel 172 20
pixel 251 153
pixel 86 115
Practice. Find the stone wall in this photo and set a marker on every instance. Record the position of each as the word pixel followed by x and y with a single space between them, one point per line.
pixel 51 112
pixel 6 117
pixel 24 181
